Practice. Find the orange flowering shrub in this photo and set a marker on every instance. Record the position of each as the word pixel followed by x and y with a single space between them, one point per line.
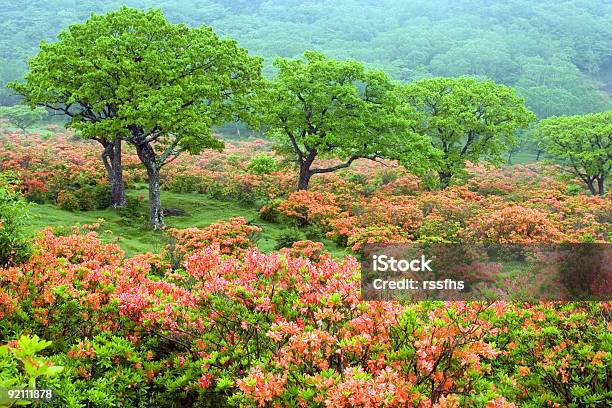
pixel 307 249
pixel 515 224
pixel 47 166
pixel 233 237
pixel 281 329
pixel 309 207
pixel 376 235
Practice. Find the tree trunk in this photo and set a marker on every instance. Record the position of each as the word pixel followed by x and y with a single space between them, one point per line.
pixel 591 184
pixel 538 155
pixel 117 183
pixel 111 157
pixel 444 179
pixel 304 180
pixel 305 175
pixel 510 157
pixel 156 215
pixel 147 157
pixel 601 189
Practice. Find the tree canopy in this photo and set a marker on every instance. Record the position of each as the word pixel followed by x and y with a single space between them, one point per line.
pixel 583 144
pixel 322 108
pixel 467 120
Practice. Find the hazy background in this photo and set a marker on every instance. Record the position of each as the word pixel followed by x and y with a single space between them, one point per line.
pixel 558 54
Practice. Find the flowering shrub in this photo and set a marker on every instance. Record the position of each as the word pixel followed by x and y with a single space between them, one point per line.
pixel 309 207
pixel 48 167
pixel 376 235
pixel 516 224
pixel 233 237
pixel 212 321
pixel 307 249
pixel 233 326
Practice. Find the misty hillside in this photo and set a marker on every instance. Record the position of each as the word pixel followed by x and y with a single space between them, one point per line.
pixel 557 54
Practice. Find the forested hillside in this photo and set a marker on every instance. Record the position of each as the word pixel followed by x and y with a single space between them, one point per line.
pixel 558 55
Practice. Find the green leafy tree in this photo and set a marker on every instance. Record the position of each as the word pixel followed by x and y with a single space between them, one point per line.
pixel 133 75
pixel 322 108
pixel 22 116
pixel 583 144
pixel 467 120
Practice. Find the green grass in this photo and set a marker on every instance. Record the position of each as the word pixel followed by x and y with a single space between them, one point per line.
pixel 135 238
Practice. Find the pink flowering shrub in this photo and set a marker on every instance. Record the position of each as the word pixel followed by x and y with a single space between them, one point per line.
pixel 243 328
pixel 211 321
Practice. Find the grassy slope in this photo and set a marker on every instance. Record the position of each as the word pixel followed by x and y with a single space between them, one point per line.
pixel 134 239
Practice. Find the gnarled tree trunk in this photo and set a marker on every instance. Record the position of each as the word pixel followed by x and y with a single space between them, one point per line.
pixel 304 180
pixel 305 169
pixel 601 188
pixel 111 157
pixel 148 158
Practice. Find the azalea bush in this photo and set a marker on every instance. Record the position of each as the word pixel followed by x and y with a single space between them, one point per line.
pixel 231 326
pixel 212 321
pixel 371 202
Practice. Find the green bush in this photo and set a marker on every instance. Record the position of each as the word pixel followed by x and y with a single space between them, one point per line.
pixel 288 237
pixel 262 164
pixel 21 367
pixel 314 233
pixel 574 189
pixel 86 199
pixel 269 212
pixel 68 201
pixel 133 212
pixel 183 183
pixel 14 215
pixel 96 197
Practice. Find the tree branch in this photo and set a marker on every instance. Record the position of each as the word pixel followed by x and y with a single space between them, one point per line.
pixel 337 167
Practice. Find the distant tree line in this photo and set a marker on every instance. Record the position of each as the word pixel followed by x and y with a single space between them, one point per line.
pixel 558 56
